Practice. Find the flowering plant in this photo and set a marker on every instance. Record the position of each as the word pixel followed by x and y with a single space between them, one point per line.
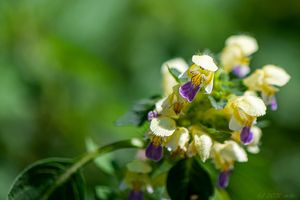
pixel 207 112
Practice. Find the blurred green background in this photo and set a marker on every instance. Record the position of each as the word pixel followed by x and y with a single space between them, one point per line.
pixel 69 69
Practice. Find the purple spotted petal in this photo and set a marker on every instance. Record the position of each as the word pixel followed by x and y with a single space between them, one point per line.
pixel 246 135
pixel 135 195
pixel 240 71
pixel 152 114
pixel 223 179
pixel 273 103
pixel 189 91
pixel 154 152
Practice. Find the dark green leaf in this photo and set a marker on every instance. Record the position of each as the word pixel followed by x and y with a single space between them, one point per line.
pixel 218 135
pixel 175 73
pixel 217 104
pixel 187 179
pixel 37 181
pixel 138 114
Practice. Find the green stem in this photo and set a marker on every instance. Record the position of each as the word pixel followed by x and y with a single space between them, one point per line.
pixel 88 157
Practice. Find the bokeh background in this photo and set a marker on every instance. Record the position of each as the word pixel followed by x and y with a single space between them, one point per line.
pixel 69 69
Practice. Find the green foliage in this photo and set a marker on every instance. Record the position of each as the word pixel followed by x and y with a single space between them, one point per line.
pixel 40 182
pixel 217 104
pixel 175 73
pixel 103 162
pixel 138 113
pixel 187 179
pixel 218 135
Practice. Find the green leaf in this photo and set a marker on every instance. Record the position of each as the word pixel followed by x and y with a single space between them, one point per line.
pixel 175 73
pixel 188 180
pixel 39 182
pixel 138 114
pixel 103 192
pixel 217 104
pixel 220 194
pixel 218 135
pixel 104 162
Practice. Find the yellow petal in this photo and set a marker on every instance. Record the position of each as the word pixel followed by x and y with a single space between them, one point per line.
pixel 275 75
pixel 206 62
pixel 162 126
pixel 246 43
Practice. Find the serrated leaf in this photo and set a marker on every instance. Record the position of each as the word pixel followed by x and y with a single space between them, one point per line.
pixel 104 162
pixel 187 180
pixel 138 113
pixel 217 104
pixel 38 182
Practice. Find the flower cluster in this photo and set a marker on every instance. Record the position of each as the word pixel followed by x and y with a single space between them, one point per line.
pixel 210 110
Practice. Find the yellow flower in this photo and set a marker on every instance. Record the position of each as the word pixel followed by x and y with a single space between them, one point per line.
pixel 235 55
pixel 266 81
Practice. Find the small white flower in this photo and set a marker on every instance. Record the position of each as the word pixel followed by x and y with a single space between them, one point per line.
pixel 179 139
pixel 162 126
pixel 246 43
pixel 244 110
pixel 203 144
pixel 224 155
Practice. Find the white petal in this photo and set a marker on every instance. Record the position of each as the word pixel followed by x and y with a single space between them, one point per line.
pixel 253 147
pixel 251 105
pixel 233 152
pixel 275 75
pixel 234 124
pixel 205 62
pixel 209 86
pixel 162 126
pixel 179 139
pixel 246 43
pixel 203 144
pixel 168 80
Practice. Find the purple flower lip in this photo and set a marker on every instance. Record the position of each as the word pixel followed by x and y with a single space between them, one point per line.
pixel 246 135
pixel 240 71
pixel 135 195
pixel 223 179
pixel 152 115
pixel 154 152
pixel 189 91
